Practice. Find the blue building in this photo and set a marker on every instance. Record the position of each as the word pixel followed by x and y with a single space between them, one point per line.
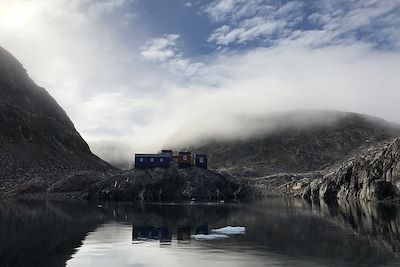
pixel 140 233
pixel 201 161
pixel 149 161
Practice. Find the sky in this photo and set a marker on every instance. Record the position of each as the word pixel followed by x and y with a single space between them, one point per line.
pixel 133 73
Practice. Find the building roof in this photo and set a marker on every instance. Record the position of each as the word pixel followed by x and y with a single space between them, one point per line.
pixel 152 155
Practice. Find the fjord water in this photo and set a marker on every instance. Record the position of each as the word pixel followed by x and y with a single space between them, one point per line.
pixel 280 232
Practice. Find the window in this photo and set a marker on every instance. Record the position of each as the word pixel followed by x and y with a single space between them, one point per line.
pixel 151 159
pixel 141 159
pixel 185 157
pixel 201 160
pixel 161 160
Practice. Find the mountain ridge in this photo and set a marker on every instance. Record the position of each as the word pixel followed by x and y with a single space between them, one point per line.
pixel 37 138
pixel 298 149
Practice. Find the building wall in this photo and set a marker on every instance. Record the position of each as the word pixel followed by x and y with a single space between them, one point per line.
pixel 184 160
pixel 201 161
pixel 152 161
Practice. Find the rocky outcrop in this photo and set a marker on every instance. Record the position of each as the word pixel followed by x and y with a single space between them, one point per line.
pixel 137 185
pixel 283 184
pixel 372 175
pixel 37 138
pixel 154 184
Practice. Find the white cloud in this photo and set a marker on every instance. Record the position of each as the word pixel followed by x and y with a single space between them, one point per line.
pixel 219 10
pixel 166 50
pixel 250 20
pixel 162 48
pixel 265 80
pixel 248 30
pixel 270 22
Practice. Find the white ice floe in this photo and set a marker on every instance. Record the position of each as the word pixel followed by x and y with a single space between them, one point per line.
pixel 230 230
pixel 201 237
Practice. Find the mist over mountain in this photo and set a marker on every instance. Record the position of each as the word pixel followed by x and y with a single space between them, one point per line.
pixel 36 135
pixel 300 141
pixel 118 154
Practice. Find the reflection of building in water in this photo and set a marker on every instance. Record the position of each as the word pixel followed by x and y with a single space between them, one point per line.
pixel 202 229
pixel 183 233
pixel 152 233
pixel 146 232
pixel 164 233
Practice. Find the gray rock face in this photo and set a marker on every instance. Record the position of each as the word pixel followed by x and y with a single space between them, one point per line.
pixel 373 174
pixel 37 138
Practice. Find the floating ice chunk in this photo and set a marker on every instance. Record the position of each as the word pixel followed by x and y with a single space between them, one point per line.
pixel 201 237
pixel 230 230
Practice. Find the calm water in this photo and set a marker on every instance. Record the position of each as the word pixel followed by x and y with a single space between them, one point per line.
pixel 279 233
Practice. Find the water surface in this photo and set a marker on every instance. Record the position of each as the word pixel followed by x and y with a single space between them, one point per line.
pixel 279 233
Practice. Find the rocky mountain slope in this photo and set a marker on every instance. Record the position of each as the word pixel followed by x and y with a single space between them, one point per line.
pixel 371 174
pixel 325 138
pixel 37 139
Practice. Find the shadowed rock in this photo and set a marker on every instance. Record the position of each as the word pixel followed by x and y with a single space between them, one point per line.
pixel 373 174
pixel 38 141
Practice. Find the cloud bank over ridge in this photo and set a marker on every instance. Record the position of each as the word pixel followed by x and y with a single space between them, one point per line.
pixel 121 80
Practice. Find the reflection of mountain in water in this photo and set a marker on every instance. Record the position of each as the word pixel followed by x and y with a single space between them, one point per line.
pixel 293 230
pixel 377 222
pixel 49 233
pixel 43 233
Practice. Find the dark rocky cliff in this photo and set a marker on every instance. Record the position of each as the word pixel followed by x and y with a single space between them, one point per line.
pixel 371 174
pixel 36 136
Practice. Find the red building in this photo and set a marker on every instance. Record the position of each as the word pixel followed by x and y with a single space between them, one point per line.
pixel 184 159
